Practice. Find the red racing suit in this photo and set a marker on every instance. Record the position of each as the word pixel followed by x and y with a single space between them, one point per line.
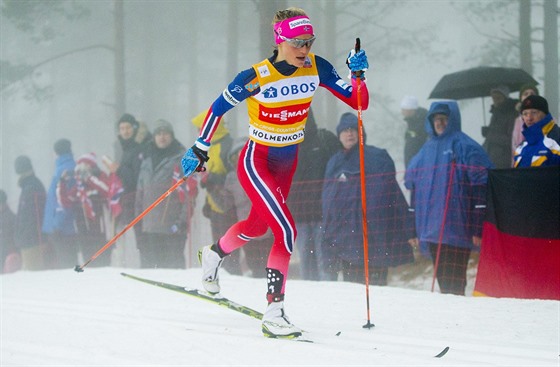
pixel 278 96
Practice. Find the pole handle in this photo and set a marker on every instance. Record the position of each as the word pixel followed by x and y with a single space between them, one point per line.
pixel 357 48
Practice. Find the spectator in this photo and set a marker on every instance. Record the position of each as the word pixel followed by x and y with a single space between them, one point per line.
pixel 498 133
pixel 163 230
pixel 88 198
pixel 251 259
pixel 415 135
pixel 31 206
pixel 305 196
pixel 129 152
pixel 448 180
pixel 389 224
pixel 213 182
pixel 542 135
pixel 7 228
pixel 517 134
pixel 58 222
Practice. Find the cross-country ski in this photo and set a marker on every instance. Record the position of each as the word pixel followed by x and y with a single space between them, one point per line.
pixel 215 299
pixel 202 295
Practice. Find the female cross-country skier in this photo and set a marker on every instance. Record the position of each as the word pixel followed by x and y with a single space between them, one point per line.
pixel 278 91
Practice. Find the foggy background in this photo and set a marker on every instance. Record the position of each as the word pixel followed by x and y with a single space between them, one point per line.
pixel 69 69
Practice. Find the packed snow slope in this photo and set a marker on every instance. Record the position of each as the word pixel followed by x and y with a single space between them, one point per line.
pixel 99 318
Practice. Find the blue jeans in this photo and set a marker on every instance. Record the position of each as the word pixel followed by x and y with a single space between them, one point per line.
pixel 308 244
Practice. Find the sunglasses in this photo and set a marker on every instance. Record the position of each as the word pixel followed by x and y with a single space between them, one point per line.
pixel 297 42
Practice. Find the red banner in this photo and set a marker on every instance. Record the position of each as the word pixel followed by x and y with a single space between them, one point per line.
pixel 520 255
pixel 518 267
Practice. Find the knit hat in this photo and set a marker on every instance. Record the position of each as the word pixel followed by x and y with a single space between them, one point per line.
pixel 502 89
pixel 409 103
pixel 526 87
pixel 89 158
pixel 347 121
pixel 129 119
pixel 536 103
pixel 23 164
pixel 163 125
pixel 62 146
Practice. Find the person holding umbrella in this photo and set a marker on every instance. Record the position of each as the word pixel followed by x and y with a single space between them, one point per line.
pixel 415 135
pixel 498 132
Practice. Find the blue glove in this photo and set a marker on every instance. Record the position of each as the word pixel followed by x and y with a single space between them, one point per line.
pixel 357 63
pixel 194 158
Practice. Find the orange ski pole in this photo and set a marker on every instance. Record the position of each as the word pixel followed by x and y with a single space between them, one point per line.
pixel 80 268
pixel 363 189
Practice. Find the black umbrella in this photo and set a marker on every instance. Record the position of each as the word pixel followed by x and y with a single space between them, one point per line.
pixel 477 82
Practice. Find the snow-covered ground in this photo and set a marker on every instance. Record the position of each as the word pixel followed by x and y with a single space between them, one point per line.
pixel 99 318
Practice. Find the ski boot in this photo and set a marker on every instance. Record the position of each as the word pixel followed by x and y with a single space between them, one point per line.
pixel 275 322
pixel 210 260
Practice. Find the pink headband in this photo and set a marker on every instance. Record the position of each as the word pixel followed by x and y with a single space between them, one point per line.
pixel 292 28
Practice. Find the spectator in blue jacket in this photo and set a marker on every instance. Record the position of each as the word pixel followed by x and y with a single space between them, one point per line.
pixel 389 226
pixel 448 179
pixel 542 135
pixel 58 222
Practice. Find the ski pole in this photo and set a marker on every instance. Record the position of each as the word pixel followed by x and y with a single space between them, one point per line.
pixel 80 268
pixel 368 325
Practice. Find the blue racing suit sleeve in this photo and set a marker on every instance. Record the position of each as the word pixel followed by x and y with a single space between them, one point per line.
pixel 240 88
pixel 243 86
pixel 329 78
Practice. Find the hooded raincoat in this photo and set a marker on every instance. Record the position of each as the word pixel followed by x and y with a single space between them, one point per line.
pixel 448 180
pixel 389 225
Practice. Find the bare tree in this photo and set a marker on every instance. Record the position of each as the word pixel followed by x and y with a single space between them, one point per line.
pixel 551 55
pixel 120 82
pixel 37 20
pixel 266 10
pixel 31 18
pixel 232 53
pixel 525 47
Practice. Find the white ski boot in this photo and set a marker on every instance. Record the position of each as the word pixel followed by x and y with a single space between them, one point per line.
pixel 210 261
pixel 275 323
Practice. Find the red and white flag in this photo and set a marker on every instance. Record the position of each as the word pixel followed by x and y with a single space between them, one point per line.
pixel 114 195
